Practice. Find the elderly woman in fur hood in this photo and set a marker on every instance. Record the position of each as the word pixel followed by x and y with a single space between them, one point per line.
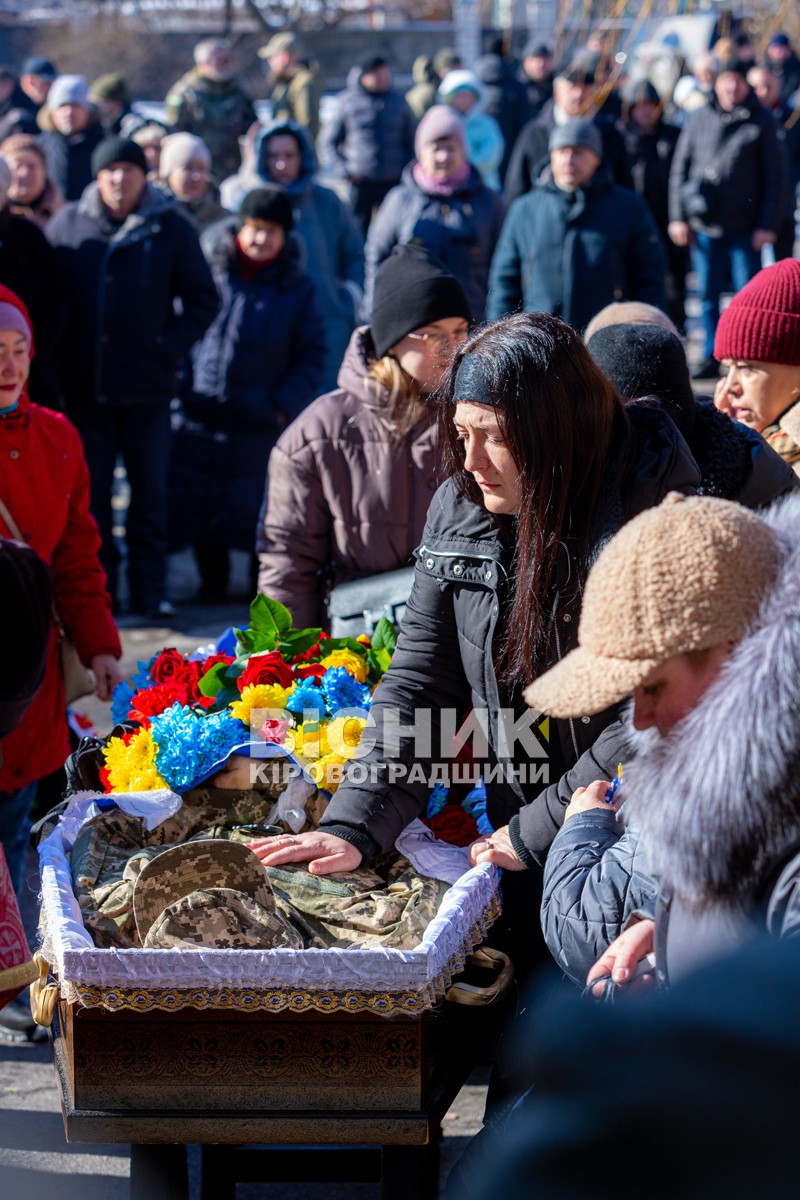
pixel 709 795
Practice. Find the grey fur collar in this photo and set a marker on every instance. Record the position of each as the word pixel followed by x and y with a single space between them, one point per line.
pixel 717 801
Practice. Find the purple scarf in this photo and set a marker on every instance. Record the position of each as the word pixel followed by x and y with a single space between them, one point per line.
pixel 441 187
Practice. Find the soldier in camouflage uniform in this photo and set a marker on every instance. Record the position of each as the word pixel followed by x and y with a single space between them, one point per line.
pixel 208 102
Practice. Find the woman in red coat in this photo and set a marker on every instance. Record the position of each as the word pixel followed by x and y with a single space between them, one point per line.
pixel 44 485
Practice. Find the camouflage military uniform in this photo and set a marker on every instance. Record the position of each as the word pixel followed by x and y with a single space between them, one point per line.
pixel 218 112
pixel 389 905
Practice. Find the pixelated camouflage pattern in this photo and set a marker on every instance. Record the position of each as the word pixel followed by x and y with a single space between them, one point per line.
pixel 199 863
pixel 223 918
pixel 111 849
pixel 387 905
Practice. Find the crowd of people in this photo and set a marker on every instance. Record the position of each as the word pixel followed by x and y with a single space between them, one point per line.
pixel 446 330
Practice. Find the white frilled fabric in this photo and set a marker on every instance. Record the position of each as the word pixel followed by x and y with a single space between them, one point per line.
pixel 378 980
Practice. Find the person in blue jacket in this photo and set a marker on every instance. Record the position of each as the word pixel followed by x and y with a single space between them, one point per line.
pixel 577 241
pixel 443 204
pixel 257 367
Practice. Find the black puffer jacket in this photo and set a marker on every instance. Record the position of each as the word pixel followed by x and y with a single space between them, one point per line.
pixel 370 135
pixel 445 654
pixel 739 150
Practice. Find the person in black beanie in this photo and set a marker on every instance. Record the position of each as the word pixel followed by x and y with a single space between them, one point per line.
pixel 647 361
pixel 257 367
pixel 141 294
pixel 350 480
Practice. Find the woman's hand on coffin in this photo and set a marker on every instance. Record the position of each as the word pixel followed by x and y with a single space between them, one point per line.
pixel 107 675
pixel 324 852
pixel 496 849
pixel 623 955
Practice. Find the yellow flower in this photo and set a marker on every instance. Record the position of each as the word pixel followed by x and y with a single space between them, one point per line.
pixel 132 768
pixel 327 771
pixel 344 735
pixel 310 740
pixel 259 696
pixel 353 663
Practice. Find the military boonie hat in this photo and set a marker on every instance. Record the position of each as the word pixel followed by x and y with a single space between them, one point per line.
pixel 207 863
pixel 220 919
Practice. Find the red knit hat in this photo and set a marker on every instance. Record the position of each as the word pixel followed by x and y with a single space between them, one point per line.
pixel 762 321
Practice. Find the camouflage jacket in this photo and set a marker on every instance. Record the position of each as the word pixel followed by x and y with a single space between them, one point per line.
pixel 219 113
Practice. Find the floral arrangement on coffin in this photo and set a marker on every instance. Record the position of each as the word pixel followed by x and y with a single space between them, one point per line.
pixel 294 688
pixel 458 822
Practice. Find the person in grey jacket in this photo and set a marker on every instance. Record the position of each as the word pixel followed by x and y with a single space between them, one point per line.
pixel 323 225
pixel 497 591
pixel 443 204
pixel 577 241
pixel 665 604
pixel 369 137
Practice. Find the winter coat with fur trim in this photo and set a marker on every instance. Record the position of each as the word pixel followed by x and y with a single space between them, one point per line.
pixel 717 801
pixel 124 338
pixel 445 653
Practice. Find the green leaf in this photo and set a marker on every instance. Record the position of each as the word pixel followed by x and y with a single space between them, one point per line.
pixel 225 696
pixel 244 642
pixel 331 644
pixel 212 682
pixel 298 642
pixel 385 636
pixel 270 616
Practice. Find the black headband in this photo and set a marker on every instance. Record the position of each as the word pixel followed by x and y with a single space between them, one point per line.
pixel 470 385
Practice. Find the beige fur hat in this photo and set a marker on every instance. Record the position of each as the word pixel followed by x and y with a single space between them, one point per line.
pixel 684 576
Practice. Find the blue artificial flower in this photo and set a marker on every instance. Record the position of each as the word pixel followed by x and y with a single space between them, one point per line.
pixel 143 678
pixel 190 744
pixel 437 801
pixel 121 701
pixel 341 690
pixel 485 826
pixel 307 696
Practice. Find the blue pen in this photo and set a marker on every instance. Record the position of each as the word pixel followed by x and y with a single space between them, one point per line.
pixel 611 792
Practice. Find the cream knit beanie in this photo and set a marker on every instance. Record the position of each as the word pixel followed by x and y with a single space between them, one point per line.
pixel 686 575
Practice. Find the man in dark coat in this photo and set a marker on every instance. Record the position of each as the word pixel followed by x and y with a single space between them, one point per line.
pixel 577 92
pixel 128 255
pixel 536 74
pixel 783 62
pixel 72 130
pixel 577 241
pixel 504 99
pixel 370 137
pixel 650 145
pixel 726 193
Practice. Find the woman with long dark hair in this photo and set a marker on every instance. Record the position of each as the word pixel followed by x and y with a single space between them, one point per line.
pixel 545 464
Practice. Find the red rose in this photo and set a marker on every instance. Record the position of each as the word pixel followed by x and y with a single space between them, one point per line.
pixel 151 702
pixel 217 658
pixel 313 652
pixel 190 675
pixel 105 778
pixel 265 669
pixel 454 825
pixel 168 667
pixel 311 671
